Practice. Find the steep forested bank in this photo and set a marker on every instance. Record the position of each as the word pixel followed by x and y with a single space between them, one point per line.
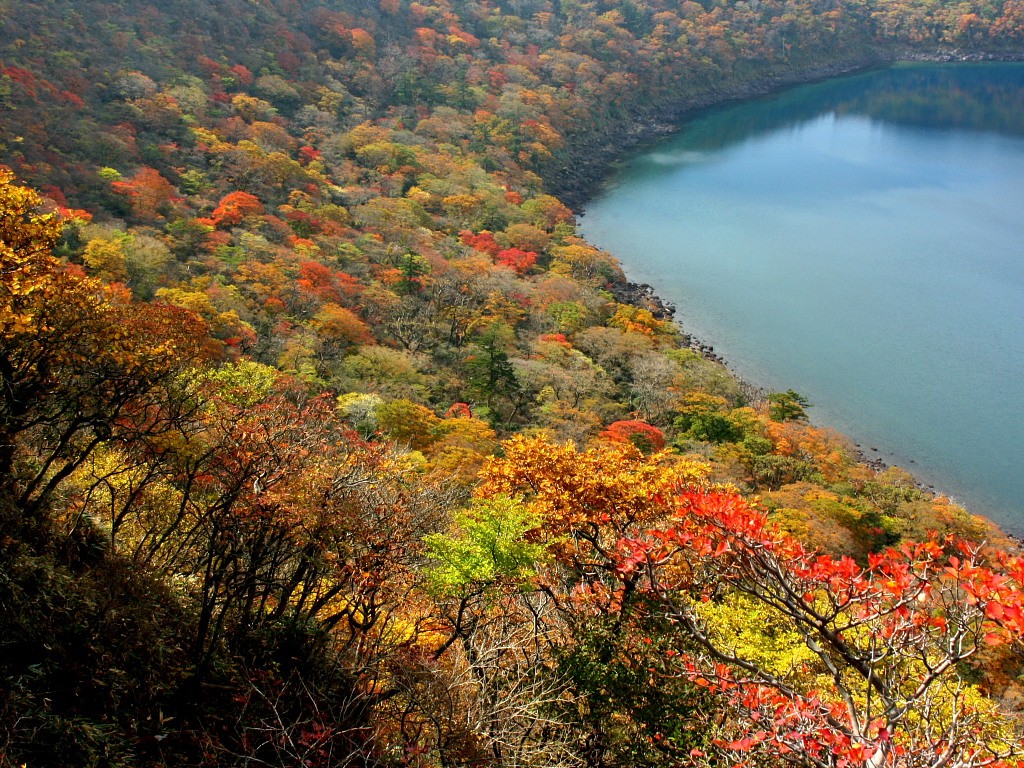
pixel 324 439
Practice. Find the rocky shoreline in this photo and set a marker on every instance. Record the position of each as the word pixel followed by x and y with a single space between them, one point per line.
pixel 644 295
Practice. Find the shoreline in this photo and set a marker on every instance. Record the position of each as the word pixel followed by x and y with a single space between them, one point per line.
pixel 644 295
pixel 594 162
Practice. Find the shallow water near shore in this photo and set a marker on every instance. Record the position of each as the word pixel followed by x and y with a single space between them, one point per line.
pixel 862 242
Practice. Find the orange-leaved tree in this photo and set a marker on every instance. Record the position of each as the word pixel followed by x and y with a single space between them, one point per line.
pixel 588 499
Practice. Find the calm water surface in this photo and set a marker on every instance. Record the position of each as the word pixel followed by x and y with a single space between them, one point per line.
pixel 862 242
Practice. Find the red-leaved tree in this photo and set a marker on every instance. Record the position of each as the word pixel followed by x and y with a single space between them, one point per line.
pixel 834 663
pixel 644 436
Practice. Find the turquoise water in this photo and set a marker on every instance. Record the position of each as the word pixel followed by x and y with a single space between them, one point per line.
pixel 862 242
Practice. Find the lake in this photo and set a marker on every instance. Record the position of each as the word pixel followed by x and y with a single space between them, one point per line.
pixel 860 241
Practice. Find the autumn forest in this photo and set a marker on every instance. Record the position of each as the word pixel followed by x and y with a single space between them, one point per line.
pixel 325 439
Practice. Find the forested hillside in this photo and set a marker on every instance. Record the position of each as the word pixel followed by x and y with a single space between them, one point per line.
pixel 326 440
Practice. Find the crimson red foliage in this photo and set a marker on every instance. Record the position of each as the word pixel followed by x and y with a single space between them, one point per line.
pixel 520 261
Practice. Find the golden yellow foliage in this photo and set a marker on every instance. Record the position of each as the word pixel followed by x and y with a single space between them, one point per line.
pixel 612 486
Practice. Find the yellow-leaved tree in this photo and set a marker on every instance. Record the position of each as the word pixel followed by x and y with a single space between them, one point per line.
pixel 80 364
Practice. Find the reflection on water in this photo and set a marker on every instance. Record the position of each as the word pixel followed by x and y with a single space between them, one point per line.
pixel 978 97
pixel 682 157
pixel 858 240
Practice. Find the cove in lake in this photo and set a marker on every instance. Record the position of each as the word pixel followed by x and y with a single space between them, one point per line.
pixel 862 242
